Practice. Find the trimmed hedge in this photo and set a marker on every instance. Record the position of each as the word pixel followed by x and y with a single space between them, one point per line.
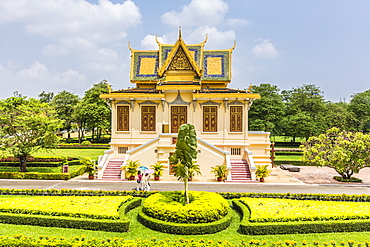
pixel 38 159
pixel 291 162
pixel 108 225
pixel 205 207
pixel 42 176
pixel 78 146
pixel 184 228
pixel 351 180
pixel 65 222
pixel 294 227
pixel 32 164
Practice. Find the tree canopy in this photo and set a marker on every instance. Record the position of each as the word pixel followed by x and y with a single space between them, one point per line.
pixel 345 151
pixel 26 125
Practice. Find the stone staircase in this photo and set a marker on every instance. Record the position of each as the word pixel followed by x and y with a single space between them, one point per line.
pixel 113 170
pixel 240 171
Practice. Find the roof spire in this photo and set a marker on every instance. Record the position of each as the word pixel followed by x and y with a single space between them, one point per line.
pixel 180 32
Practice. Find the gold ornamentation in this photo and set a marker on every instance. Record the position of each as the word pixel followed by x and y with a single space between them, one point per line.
pixel 180 61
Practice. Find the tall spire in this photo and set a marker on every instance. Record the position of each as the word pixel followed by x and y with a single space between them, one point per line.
pixel 180 32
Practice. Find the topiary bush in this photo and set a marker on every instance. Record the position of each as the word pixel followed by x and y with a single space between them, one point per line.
pixel 204 207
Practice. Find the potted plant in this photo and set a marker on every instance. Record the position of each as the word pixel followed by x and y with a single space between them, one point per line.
pixel 131 169
pixel 220 171
pixel 89 167
pixel 194 169
pixel 262 172
pixel 158 170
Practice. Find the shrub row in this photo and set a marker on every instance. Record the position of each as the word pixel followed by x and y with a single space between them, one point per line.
pixel 303 196
pixel 94 207
pixel 42 176
pixel 226 195
pixel 185 228
pixel 73 192
pixel 37 159
pixel 65 222
pixel 78 146
pixel 205 207
pixel 300 227
pixel 32 164
pixel 35 175
pixel 352 179
pixel 121 225
pixel 81 241
pixel 291 162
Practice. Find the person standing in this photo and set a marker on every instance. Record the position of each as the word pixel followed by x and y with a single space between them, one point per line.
pixel 139 178
pixel 145 182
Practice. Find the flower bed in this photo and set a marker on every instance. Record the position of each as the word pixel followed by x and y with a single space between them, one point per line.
pixel 95 207
pixel 104 213
pixel 284 210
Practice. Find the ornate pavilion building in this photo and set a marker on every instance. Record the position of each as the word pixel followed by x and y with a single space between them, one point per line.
pixel 177 84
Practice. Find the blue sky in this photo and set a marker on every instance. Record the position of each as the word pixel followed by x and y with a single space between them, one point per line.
pixel 52 45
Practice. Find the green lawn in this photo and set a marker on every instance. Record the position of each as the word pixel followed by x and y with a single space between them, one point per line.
pixel 288 157
pixel 139 231
pixel 75 153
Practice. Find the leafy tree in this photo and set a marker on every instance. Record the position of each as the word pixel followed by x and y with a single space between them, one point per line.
pixel 99 113
pixel 265 113
pixel 80 116
pixel 338 115
pixel 360 107
pixel 185 155
pixel 347 152
pixel 64 104
pixel 46 97
pixel 300 124
pixel 26 125
pixel 308 101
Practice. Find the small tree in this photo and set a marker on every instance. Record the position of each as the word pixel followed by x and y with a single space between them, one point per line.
pixel 185 154
pixel 346 152
pixel 26 125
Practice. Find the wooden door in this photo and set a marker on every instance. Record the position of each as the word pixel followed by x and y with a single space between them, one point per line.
pixel 178 117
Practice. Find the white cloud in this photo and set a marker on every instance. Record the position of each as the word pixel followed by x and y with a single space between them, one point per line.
pixel 216 38
pixel 149 42
pixel 100 22
pixel 198 12
pixel 265 50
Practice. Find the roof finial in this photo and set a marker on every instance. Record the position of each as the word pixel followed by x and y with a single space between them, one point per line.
pixel 180 32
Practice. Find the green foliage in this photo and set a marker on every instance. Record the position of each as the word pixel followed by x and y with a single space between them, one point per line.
pixel 297 227
pixel 262 171
pixel 265 113
pixel 185 228
pixel 64 104
pixel 220 171
pixel 304 112
pixel 27 126
pixel 205 207
pixel 85 143
pixel 158 169
pixel 131 168
pixel 346 152
pixel 185 155
pixel 89 165
pixel 360 107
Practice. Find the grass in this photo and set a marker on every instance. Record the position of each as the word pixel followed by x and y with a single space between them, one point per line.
pixel 139 231
pixel 286 139
pixel 75 153
pixel 288 157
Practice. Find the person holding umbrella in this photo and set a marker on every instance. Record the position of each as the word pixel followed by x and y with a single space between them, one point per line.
pixel 145 179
